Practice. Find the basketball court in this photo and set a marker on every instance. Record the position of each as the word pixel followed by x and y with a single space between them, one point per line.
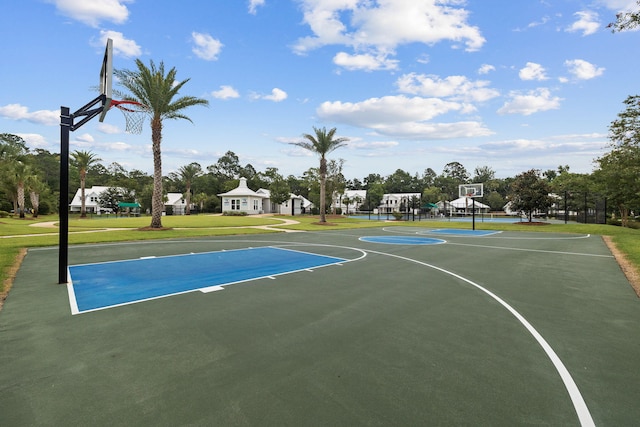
pixel 384 326
pixel 352 327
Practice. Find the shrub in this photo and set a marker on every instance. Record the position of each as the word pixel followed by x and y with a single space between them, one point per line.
pixel 4 214
pixel 397 215
pixel 234 213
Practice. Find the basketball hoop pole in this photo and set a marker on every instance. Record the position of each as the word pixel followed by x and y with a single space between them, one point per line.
pixel 473 212
pixel 66 126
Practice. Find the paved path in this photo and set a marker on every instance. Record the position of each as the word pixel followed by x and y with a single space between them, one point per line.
pixel 53 224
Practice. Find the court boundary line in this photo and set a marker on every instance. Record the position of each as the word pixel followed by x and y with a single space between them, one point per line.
pixel 532 250
pixel 339 262
pixel 577 400
pixel 393 229
pixel 580 406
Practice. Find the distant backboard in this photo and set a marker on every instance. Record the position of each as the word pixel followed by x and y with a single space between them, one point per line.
pixel 470 190
pixel 106 78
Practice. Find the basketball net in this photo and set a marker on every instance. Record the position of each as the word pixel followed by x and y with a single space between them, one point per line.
pixel 134 115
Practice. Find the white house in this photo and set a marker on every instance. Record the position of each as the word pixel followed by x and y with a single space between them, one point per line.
pixel 355 197
pixel 91 197
pixel 296 205
pixel 242 199
pixel 177 203
pixel 396 202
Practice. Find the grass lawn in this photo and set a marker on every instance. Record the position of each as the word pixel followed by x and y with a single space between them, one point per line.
pixel 100 229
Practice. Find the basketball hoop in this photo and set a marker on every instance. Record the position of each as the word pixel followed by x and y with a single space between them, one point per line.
pixel 134 114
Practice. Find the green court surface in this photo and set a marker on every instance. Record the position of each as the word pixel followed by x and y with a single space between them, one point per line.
pixel 506 329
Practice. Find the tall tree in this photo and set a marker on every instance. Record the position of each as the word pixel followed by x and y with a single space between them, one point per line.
pixel 530 193
pixel 155 89
pixel 456 171
pixel 227 167
pixel 626 20
pixel 620 168
pixel 188 174
pixel 279 190
pixel 83 160
pixel 35 186
pixel 322 143
pixel 22 173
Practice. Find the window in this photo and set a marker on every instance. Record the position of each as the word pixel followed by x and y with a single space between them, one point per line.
pixel 235 204
pixel 255 205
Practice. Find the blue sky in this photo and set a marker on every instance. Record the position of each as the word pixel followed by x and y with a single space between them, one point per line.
pixel 413 84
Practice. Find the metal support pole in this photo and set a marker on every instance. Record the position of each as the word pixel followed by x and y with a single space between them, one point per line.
pixel 66 121
pixel 473 212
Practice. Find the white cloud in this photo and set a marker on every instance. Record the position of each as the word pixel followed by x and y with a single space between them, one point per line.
pixel 109 129
pixel 401 116
pixel 121 45
pixel 583 70
pixel 619 5
pixel 531 102
pixel 20 112
pixel 34 140
pixel 454 87
pixel 206 47
pixel 277 95
pixel 225 92
pixel 85 137
pixel 587 23
pixel 560 145
pixel 533 71
pixel 94 11
pixel 372 145
pixel 383 25
pixel 364 62
pixel 254 4
pixel 486 69
pixel 388 109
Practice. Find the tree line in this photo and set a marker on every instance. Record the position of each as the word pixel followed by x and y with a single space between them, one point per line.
pixel 35 173
pixel 30 180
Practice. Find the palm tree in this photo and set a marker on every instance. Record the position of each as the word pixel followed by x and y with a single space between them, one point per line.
pixel 322 143
pixel 22 172
pixel 151 87
pixel 83 160
pixel 36 187
pixel 188 173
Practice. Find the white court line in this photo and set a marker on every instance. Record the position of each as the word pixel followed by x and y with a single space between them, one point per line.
pixel 579 404
pixel 395 229
pixel 531 250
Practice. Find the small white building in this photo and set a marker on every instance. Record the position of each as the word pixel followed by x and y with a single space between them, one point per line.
pixel 296 205
pixel 176 204
pixel 356 198
pixel 91 200
pixel 397 202
pixel 242 199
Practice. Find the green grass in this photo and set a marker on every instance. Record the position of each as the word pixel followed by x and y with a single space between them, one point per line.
pixel 178 221
pixel 206 225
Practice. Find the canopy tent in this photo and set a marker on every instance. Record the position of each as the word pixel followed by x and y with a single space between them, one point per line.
pixel 429 206
pixel 128 205
pixel 467 202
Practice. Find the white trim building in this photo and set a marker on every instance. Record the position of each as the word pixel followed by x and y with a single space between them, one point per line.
pixel 296 205
pixel 396 202
pixel 357 198
pixel 91 200
pixel 177 202
pixel 242 199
